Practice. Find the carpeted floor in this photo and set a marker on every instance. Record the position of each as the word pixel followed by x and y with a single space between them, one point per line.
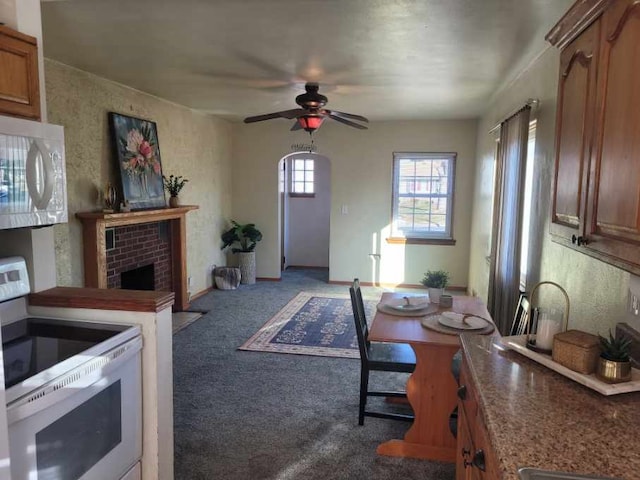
pixel 251 415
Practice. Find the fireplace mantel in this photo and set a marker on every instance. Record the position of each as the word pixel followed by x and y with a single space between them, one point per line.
pixel 94 225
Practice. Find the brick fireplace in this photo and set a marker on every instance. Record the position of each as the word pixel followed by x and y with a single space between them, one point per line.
pixel 142 238
pixel 136 247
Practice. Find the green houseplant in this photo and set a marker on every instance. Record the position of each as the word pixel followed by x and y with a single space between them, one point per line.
pixel 614 364
pixel 173 185
pixel 436 281
pixel 242 238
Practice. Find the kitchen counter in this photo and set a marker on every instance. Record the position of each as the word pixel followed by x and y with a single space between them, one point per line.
pixel 537 418
pixel 151 311
pixel 103 299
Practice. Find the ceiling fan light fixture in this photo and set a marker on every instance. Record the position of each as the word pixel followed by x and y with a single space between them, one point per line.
pixel 310 122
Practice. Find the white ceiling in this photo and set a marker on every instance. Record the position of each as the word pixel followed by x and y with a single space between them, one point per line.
pixel 385 59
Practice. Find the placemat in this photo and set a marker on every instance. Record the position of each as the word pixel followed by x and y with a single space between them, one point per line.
pixel 431 322
pixel 386 308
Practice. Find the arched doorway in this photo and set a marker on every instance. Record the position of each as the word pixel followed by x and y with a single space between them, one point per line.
pixel 305 201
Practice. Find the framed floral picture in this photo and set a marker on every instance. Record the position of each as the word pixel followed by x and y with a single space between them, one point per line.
pixel 138 154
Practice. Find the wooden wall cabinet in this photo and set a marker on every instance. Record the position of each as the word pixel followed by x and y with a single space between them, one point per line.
pixel 596 194
pixel 19 83
pixel 475 458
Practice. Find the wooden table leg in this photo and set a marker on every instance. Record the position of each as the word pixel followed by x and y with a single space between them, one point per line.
pixel 431 391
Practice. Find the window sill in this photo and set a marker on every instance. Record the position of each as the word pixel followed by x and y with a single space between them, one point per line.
pixel 302 195
pixel 420 241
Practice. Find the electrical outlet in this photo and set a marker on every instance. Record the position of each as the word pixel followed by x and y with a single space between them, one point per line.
pixel 634 304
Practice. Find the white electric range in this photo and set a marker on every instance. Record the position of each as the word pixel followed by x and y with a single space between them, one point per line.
pixel 73 391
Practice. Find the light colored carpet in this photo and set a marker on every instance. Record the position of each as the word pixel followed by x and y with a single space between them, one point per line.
pixel 180 320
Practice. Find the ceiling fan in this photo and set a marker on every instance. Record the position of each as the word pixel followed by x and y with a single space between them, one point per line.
pixel 312 112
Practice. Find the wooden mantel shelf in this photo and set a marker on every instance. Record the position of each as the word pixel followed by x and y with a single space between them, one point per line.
pixel 94 225
pixel 138 216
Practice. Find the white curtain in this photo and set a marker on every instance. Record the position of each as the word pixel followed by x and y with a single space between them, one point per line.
pixel 504 280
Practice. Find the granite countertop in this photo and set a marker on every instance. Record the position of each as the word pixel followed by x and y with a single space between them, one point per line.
pixel 538 418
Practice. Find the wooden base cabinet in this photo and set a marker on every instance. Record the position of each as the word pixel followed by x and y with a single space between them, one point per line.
pixel 475 458
pixel 19 83
pixel 596 195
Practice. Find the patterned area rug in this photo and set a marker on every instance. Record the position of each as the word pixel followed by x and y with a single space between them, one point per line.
pixel 312 324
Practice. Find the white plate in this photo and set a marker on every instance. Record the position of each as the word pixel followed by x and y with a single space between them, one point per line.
pixel 415 304
pixel 454 320
pixel 409 308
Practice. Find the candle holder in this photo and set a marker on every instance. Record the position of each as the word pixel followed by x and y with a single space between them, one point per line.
pixel 545 326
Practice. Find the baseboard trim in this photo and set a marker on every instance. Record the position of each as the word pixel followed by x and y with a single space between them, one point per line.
pixel 200 294
pixel 453 288
pixel 268 279
pixel 305 267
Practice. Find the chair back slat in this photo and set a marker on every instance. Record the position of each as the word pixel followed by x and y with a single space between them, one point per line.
pixel 359 318
pixel 522 316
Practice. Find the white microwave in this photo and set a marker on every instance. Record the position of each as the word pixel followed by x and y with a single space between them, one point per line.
pixel 33 183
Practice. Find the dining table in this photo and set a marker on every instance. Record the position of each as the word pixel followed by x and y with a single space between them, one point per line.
pixel 431 388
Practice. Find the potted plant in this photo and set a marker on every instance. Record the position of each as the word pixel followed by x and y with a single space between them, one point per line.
pixel 435 281
pixel 244 237
pixel 614 364
pixel 173 185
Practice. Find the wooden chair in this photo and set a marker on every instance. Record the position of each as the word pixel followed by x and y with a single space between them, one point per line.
pixel 386 357
pixel 521 318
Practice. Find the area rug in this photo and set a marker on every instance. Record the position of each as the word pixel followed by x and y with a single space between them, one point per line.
pixel 312 324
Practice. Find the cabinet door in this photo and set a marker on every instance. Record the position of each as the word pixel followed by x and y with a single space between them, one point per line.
pixel 613 222
pixel 19 84
pixel 464 471
pixel 574 131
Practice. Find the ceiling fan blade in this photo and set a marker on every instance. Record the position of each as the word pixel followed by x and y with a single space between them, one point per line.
pixel 296 126
pixel 347 122
pixel 347 115
pixel 295 113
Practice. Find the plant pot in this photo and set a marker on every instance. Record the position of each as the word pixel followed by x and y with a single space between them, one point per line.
pixel 174 201
pixel 435 294
pixel 247 264
pixel 611 371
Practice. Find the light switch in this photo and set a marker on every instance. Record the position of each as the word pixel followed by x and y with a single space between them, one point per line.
pixel 344 210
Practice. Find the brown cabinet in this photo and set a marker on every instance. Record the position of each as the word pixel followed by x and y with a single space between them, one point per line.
pixel 19 85
pixel 596 194
pixel 574 133
pixel 475 458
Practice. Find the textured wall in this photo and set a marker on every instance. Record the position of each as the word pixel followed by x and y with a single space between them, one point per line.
pixel 361 178
pixel 597 291
pixel 191 144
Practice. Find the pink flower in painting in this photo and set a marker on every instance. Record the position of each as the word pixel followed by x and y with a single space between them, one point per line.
pixel 145 149
pixel 134 140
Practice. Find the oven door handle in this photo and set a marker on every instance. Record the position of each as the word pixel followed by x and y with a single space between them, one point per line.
pixel 68 384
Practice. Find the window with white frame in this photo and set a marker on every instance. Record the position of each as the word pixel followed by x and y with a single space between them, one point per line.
pixel 302 172
pixel 423 187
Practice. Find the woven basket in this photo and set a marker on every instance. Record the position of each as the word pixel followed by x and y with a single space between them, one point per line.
pixel 576 350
